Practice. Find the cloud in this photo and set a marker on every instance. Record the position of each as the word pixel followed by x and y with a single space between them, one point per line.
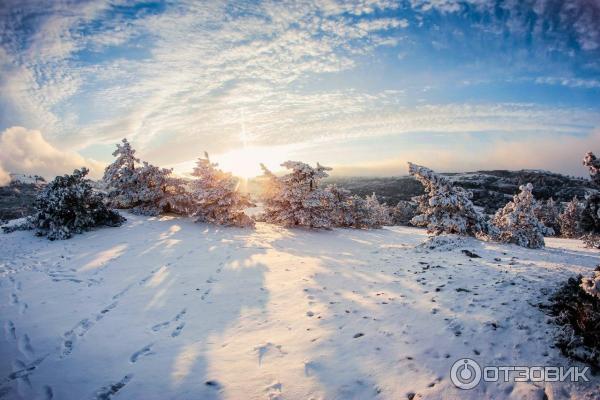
pixel 27 152
pixel 569 82
pixel 4 177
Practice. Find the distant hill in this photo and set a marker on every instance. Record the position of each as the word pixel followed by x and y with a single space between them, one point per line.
pixel 17 198
pixel 491 189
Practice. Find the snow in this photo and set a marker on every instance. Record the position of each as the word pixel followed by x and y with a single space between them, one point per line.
pixel 166 308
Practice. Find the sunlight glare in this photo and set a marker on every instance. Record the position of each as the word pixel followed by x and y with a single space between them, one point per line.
pixel 245 162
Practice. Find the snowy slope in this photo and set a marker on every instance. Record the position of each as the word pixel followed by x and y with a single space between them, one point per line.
pixel 163 308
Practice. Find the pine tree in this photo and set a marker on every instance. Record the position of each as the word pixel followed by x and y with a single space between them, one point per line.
pixel 142 187
pixel 517 222
pixel 69 205
pixel 120 176
pixel 593 164
pixel 341 211
pixel 380 213
pixel 216 197
pixel 590 216
pixel 156 192
pixel 446 208
pixel 548 213
pixel 295 199
pixel 569 220
pixel 404 212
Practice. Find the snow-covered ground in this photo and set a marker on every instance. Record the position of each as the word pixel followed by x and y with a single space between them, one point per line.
pixel 162 308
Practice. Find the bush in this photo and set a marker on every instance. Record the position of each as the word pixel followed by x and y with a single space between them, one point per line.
pixel 69 205
pixel 578 314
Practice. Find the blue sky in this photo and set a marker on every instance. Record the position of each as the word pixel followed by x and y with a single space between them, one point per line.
pixel 363 86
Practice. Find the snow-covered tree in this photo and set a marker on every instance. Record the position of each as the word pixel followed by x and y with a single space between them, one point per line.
pixel 590 216
pixel 591 285
pixel 142 187
pixel 404 212
pixel 295 199
pixel 69 205
pixel 517 222
pixel 380 213
pixel 341 213
pixel 352 211
pixel 593 164
pixel 216 197
pixel 569 219
pixel 156 191
pixel 548 213
pixel 120 176
pixel 446 208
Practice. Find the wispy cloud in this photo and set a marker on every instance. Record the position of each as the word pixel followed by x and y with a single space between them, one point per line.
pixel 181 77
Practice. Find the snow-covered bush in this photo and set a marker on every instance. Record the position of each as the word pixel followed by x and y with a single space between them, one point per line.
pixel 379 213
pixel 404 212
pixel 517 222
pixel 216 198
pixel 156 191
pixel 593 164
pixel 569 219
pixel 548 213
pixel 591 285
pixel 341 206
pixel 591 240
pixel 352 211
pixel 295 199
pixel 69 205
pixel 143 187
pixel 446 208
pixel 590 215
pixel 576 309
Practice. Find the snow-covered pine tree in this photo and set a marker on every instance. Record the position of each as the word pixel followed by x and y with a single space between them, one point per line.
pixel 295 199
pixel 142 187
pixel 548 213
pixel 120 177
pixel 69 205
pixel 404 212
pixel 156 191
pixel 446 208
pixel 569 220
pixel 380 213
pixel 341 213
pixel 517 222
pixel 360 214
pixel 216 197
pixel 590 216
pixel 593 164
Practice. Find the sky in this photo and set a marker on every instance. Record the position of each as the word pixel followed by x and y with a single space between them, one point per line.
pixel 362 86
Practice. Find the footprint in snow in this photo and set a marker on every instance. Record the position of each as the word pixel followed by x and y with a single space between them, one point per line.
pixel 178 330
pixel 145 351
pixel 107 392
pixel 10 331
pixel 268 348
pixel 24 346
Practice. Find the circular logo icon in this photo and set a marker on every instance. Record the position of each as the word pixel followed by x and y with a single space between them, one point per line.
pixel 465 373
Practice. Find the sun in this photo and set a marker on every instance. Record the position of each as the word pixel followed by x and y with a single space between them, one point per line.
pixel 245 162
